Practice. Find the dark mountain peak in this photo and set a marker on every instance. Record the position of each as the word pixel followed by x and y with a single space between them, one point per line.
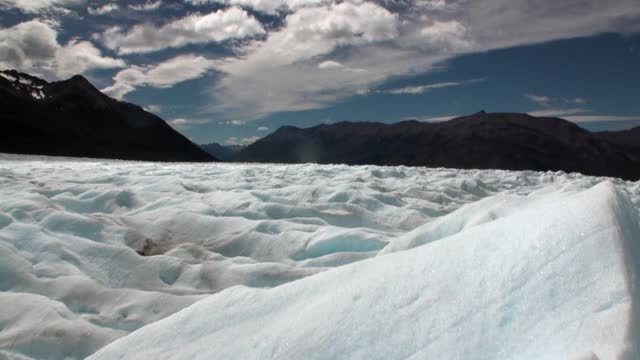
pixel 73 118
pixel 79 79
pixel 80 82
pixel 75 83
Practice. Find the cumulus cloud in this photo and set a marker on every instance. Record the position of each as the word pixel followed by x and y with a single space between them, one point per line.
pixel 35 6
pixel 445 35
pixel 221 25
pixel 266 80
pixel 263 128
pixel 33 46
pixel 315 31
pixel 163 75
pixel 104 9
pixel 77 57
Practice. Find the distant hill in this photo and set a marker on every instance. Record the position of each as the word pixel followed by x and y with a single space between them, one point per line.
pixel 484 141
pixel 73 118
pixel 222 152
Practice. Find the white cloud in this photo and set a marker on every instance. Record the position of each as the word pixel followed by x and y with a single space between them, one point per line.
pixel 315 31
pixel 35 6
pixel 329 64
pixel 263 128
pixel 558 112
pixel 445 35
pixel 242 141
pixel 77 57
pixel 148 6
pixel 33 46
pixel 424 88
pixel 539 99
pixel 548 100
pixel 183 123
pixel 266 6
pixel 163 75
pixel 283 72
pixel 221 25
pixel 334 65
pixel 104 9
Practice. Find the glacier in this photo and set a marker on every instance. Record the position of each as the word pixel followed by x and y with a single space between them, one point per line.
pixel 118 259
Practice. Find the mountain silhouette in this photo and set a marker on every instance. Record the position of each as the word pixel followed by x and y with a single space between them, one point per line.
pixel 509 141
pixel 73 118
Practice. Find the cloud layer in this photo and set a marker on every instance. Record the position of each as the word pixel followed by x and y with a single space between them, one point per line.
pixel 291 55
pixel 289 70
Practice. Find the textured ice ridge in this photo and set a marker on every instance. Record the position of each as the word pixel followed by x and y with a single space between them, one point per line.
pixel 555 280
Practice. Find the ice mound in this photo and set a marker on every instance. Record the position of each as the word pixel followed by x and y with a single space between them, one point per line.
pixel 552 278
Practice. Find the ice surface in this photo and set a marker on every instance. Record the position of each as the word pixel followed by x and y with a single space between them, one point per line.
pixel 547 281
pixel 99 249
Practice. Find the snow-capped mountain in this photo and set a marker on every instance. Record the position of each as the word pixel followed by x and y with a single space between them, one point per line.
pixel 73 118
pixel 479 141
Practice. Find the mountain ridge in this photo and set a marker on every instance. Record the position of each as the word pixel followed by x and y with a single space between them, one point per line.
pixel 509 141
pixel 73 118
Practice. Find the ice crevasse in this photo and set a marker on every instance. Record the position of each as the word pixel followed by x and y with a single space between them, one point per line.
pixel 556 278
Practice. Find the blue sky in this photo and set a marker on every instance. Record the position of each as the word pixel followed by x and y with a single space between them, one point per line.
pixel 232 71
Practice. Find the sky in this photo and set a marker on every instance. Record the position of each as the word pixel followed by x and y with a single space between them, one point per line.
pixel 232 71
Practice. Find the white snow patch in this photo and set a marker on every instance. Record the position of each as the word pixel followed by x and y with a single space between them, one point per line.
pixel 37 94
pixel 8 77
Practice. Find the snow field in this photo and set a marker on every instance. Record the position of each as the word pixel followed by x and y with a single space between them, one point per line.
pixel 92 250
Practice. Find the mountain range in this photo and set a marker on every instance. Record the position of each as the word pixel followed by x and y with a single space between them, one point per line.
pixel 510 141
pixel 73 118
